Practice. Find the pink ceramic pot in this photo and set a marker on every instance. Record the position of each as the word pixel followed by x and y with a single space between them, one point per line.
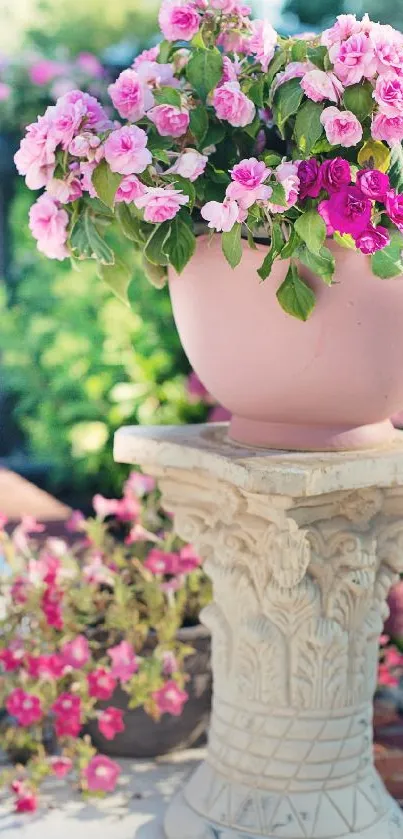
pixel 329 383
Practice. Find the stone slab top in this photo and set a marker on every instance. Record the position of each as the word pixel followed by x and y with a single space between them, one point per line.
pixel 297 474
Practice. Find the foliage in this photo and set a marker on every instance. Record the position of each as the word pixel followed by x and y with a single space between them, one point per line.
pixel 81 365
pixel 203 128
pixel 76 624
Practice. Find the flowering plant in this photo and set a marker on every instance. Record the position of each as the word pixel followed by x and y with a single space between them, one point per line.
pixel 225 122
pixel 74 628
pixel 32 81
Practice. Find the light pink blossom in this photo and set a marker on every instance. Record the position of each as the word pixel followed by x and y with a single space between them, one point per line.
pixel 179 21
pixel 48 225
pixel 221 217
pixel 104 507
pixel 153 75
pixel 44 70
pixel 101 774
pixel 36 157
pixel 190 164
pixel 169 120
pixel 90 64
pixel 246 197
pixel 287 176
pixel 124 661
pixel 170 699
pixel 387 129
pixel 389 94
pixel 161 204
pixel 75 522
pixel 126 150
pixel 294 70
pixel 342 127
pixel 233 106
pixel 344 28
pixel 263 42
pixel 250 173
pixel 130 96
pixel 110 722
pixel 5 91
pixel 76 653
pixel 388 46
pixel 146 56
pixel 318 86
pixel 230 71
pixel 354 59
pixel 130 189
pixel 96 118
pixel 140 484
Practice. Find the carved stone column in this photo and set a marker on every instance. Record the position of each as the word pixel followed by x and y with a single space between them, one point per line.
pixel 302 550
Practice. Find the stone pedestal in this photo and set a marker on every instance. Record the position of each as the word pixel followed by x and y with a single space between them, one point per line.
pixel 302 550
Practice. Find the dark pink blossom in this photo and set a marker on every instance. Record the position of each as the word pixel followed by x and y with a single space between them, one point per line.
pixel 25 707
pixel 170 699
pixel 101 774
pixel 373 239
pixel 309 177
pixel 334 174
pixel 111 723
pixel 349 211
pixel 101 684
pixel 373 184
pixel 394 208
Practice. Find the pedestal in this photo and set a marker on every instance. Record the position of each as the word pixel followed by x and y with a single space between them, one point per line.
pixel 302 550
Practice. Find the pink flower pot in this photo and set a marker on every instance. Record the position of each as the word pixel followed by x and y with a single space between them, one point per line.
pixel 328 384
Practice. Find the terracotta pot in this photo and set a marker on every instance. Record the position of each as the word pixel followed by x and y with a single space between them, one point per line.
pixel 329 383
pixel 144 738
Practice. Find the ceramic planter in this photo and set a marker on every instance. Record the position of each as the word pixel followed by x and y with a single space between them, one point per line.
pixel 328 384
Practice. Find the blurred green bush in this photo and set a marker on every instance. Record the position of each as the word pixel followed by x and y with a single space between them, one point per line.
pixel 80 364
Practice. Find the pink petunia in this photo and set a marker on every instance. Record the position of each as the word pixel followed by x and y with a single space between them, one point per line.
pixel 61 766
pixel 25 707
pixel 188 560
pixel 162 562
pixel 76 653
pixel 110 722
pixel 101 684
pixel 170 699
pixel 124 661
pixel 101 774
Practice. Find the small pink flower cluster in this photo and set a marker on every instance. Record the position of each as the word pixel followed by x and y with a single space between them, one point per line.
pixel 390 668
pixel 173 564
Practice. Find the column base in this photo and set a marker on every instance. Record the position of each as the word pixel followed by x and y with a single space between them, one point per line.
pixel 282 817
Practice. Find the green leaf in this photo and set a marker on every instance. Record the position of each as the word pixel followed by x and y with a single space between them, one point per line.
pixel 358 99
pixel 215 134
pixel 312 230
pixel 344 240
pixel 308 127
pixel 291 246
pixel 219 176
pixel 181 244
pixel 164 52
pixel 199 123
pixel 118 278
pixel 272 159
pixel 156 274
pixel 287 100
pixel 156 248
pixel 204 71
pixel 321 264
pixel 133 228
pixel 299 50
pixel 168 96
pixel 388 263
pixel 198 40
pixel 161 154
pixel 374 155
pixel 253 127
pixel 232 245
pixel 275 249
pixel 276 65
pixel 256 93
pixel 396 168
pixel 278 195
pixel 87 241
pixel 106 183
pixel 318 56
pixel 295 296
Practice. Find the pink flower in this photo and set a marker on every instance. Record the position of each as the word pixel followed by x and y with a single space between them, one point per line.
pixel 334 174
pixel 48 225
pixel 388 129
pixel 101 774
pixel 373 239
pixel 153 75
pixel 140 484
pixel 188 560
pixel 190 164
pixel 90 64
pixel 75 522
pixel 250 173
pixel 263 42
pixel 138 533
pixel 146 56
pixel 130 189
pixel 5 92
pixel 95 117
pixel 128 509
pixel 101 684
pixel 67 705
pixel 130 96
pixel 233 106
pixel 287 176
pixel 84 145
pixel 345 26
pixel 51 605
pixel 61 766
pixel 179 21
pixel 394 208
pixel 161 562
pixel 12 657
pixel 47 667
pixel 342 127
pixel 161 204
pixel 354 59
pixel 126 150
pixel 25 707
pixel 104 507
pixel 29 524
pixel 318 86
pixel 169 120
pixel 67 726
pixel 294 70
pixel 170 699
pixel 3 522
pixel 26 801
pixel 95 572
pixel 349 211
pixel 388 94
pixel 245 196
pixel 111 723
pixel 19 592
pixel 44 70
pixel 386 678
pixel 310 178
pixel 388 46
pixel 230 71
pixel 76 653
pixel 124 661
pixel 221 217
pixel 373 184
pixel 170 663
pixel 36 156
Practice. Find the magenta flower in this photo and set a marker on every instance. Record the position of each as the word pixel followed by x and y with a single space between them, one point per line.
pixel 335 174
pixel 47 667
pixel 67 726
pixel 373 239
pixel 61 766
pixel 139 484
pixel 170 699
pixel 188 560
pixel 76 653
pixel 394 208
pixel 101 684
pixel 52 606
pixel 12 658
pixel 161 562
pixel 309 178
pixel 373 184
pixel 124 661
pixel 25 707
pixel 111 723
pixel 349 211
pixel 67 704
pixel 26 801
pixel 101 774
